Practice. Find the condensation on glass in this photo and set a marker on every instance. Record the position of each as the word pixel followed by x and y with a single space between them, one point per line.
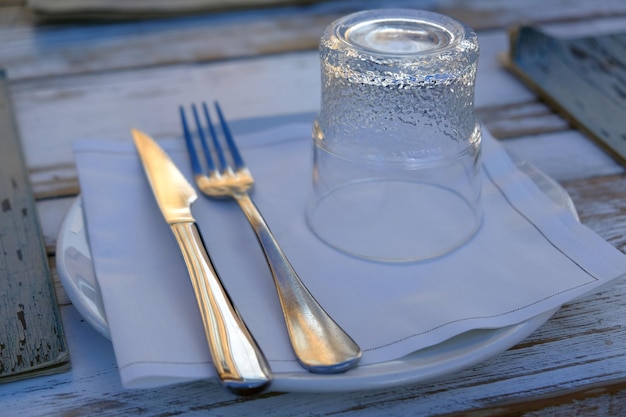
pixel 396 173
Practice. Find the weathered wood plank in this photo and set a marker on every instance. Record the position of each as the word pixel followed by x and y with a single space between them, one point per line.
pixel 29 51
pixel 564 156
pixel 68 10
pixel 601 205
pixel 521 119
pixel 593 401
pixel 584 79
pixel 32 340
pixel 483 15
pixel 495 14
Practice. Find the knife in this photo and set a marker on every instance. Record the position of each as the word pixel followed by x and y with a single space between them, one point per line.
pixel 240 365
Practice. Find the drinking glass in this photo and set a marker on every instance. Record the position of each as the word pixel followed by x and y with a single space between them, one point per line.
pixel 396 166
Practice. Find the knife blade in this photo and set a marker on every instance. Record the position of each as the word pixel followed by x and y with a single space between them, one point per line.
pixel 239 362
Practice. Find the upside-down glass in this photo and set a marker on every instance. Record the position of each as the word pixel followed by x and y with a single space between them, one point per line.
pixel 396 142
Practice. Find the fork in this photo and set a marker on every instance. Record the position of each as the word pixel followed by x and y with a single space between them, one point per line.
pixel 320 345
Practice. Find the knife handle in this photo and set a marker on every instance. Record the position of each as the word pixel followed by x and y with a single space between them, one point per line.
pixel 241 366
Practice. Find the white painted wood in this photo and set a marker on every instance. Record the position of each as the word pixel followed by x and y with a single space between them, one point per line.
pixel 521 119
pixel 31 52
pixel 586 27
pixel 565 156
pixel 601 205
pixel 508 13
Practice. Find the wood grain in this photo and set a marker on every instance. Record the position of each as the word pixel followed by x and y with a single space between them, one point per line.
pixel 32 340
pixel 511 120
pixel 30 52
pixel 601 205
pixel 584 79
pixel 65 10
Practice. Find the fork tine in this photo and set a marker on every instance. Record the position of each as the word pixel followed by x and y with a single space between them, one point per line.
pixel 216 143
pixel 232 147
pixel 203 142
pixel 191 149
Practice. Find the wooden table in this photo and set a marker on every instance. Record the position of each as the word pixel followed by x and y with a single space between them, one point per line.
pixel 78 80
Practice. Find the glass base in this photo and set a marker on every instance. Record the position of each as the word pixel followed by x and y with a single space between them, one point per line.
pixel 394 220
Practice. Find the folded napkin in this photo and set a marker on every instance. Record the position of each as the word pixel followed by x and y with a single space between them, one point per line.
pixel 529 257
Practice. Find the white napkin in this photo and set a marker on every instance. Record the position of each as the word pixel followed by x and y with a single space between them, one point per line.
pixel 530 256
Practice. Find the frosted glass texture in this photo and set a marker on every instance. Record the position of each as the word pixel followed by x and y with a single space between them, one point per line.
pixel 396 142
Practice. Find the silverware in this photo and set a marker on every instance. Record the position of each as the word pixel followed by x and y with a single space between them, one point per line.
pixel 320 345
pixel 239 362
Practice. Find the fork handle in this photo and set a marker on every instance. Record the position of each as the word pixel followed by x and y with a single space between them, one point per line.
pixel 241 366
pixel 320 345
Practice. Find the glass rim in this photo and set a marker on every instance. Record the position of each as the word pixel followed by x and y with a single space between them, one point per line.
pixel 344 28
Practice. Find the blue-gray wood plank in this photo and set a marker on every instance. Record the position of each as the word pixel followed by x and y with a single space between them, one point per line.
pixel 32 341
pixel 584 79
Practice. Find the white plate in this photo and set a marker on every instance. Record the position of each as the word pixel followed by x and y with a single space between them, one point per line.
pixel 76 272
